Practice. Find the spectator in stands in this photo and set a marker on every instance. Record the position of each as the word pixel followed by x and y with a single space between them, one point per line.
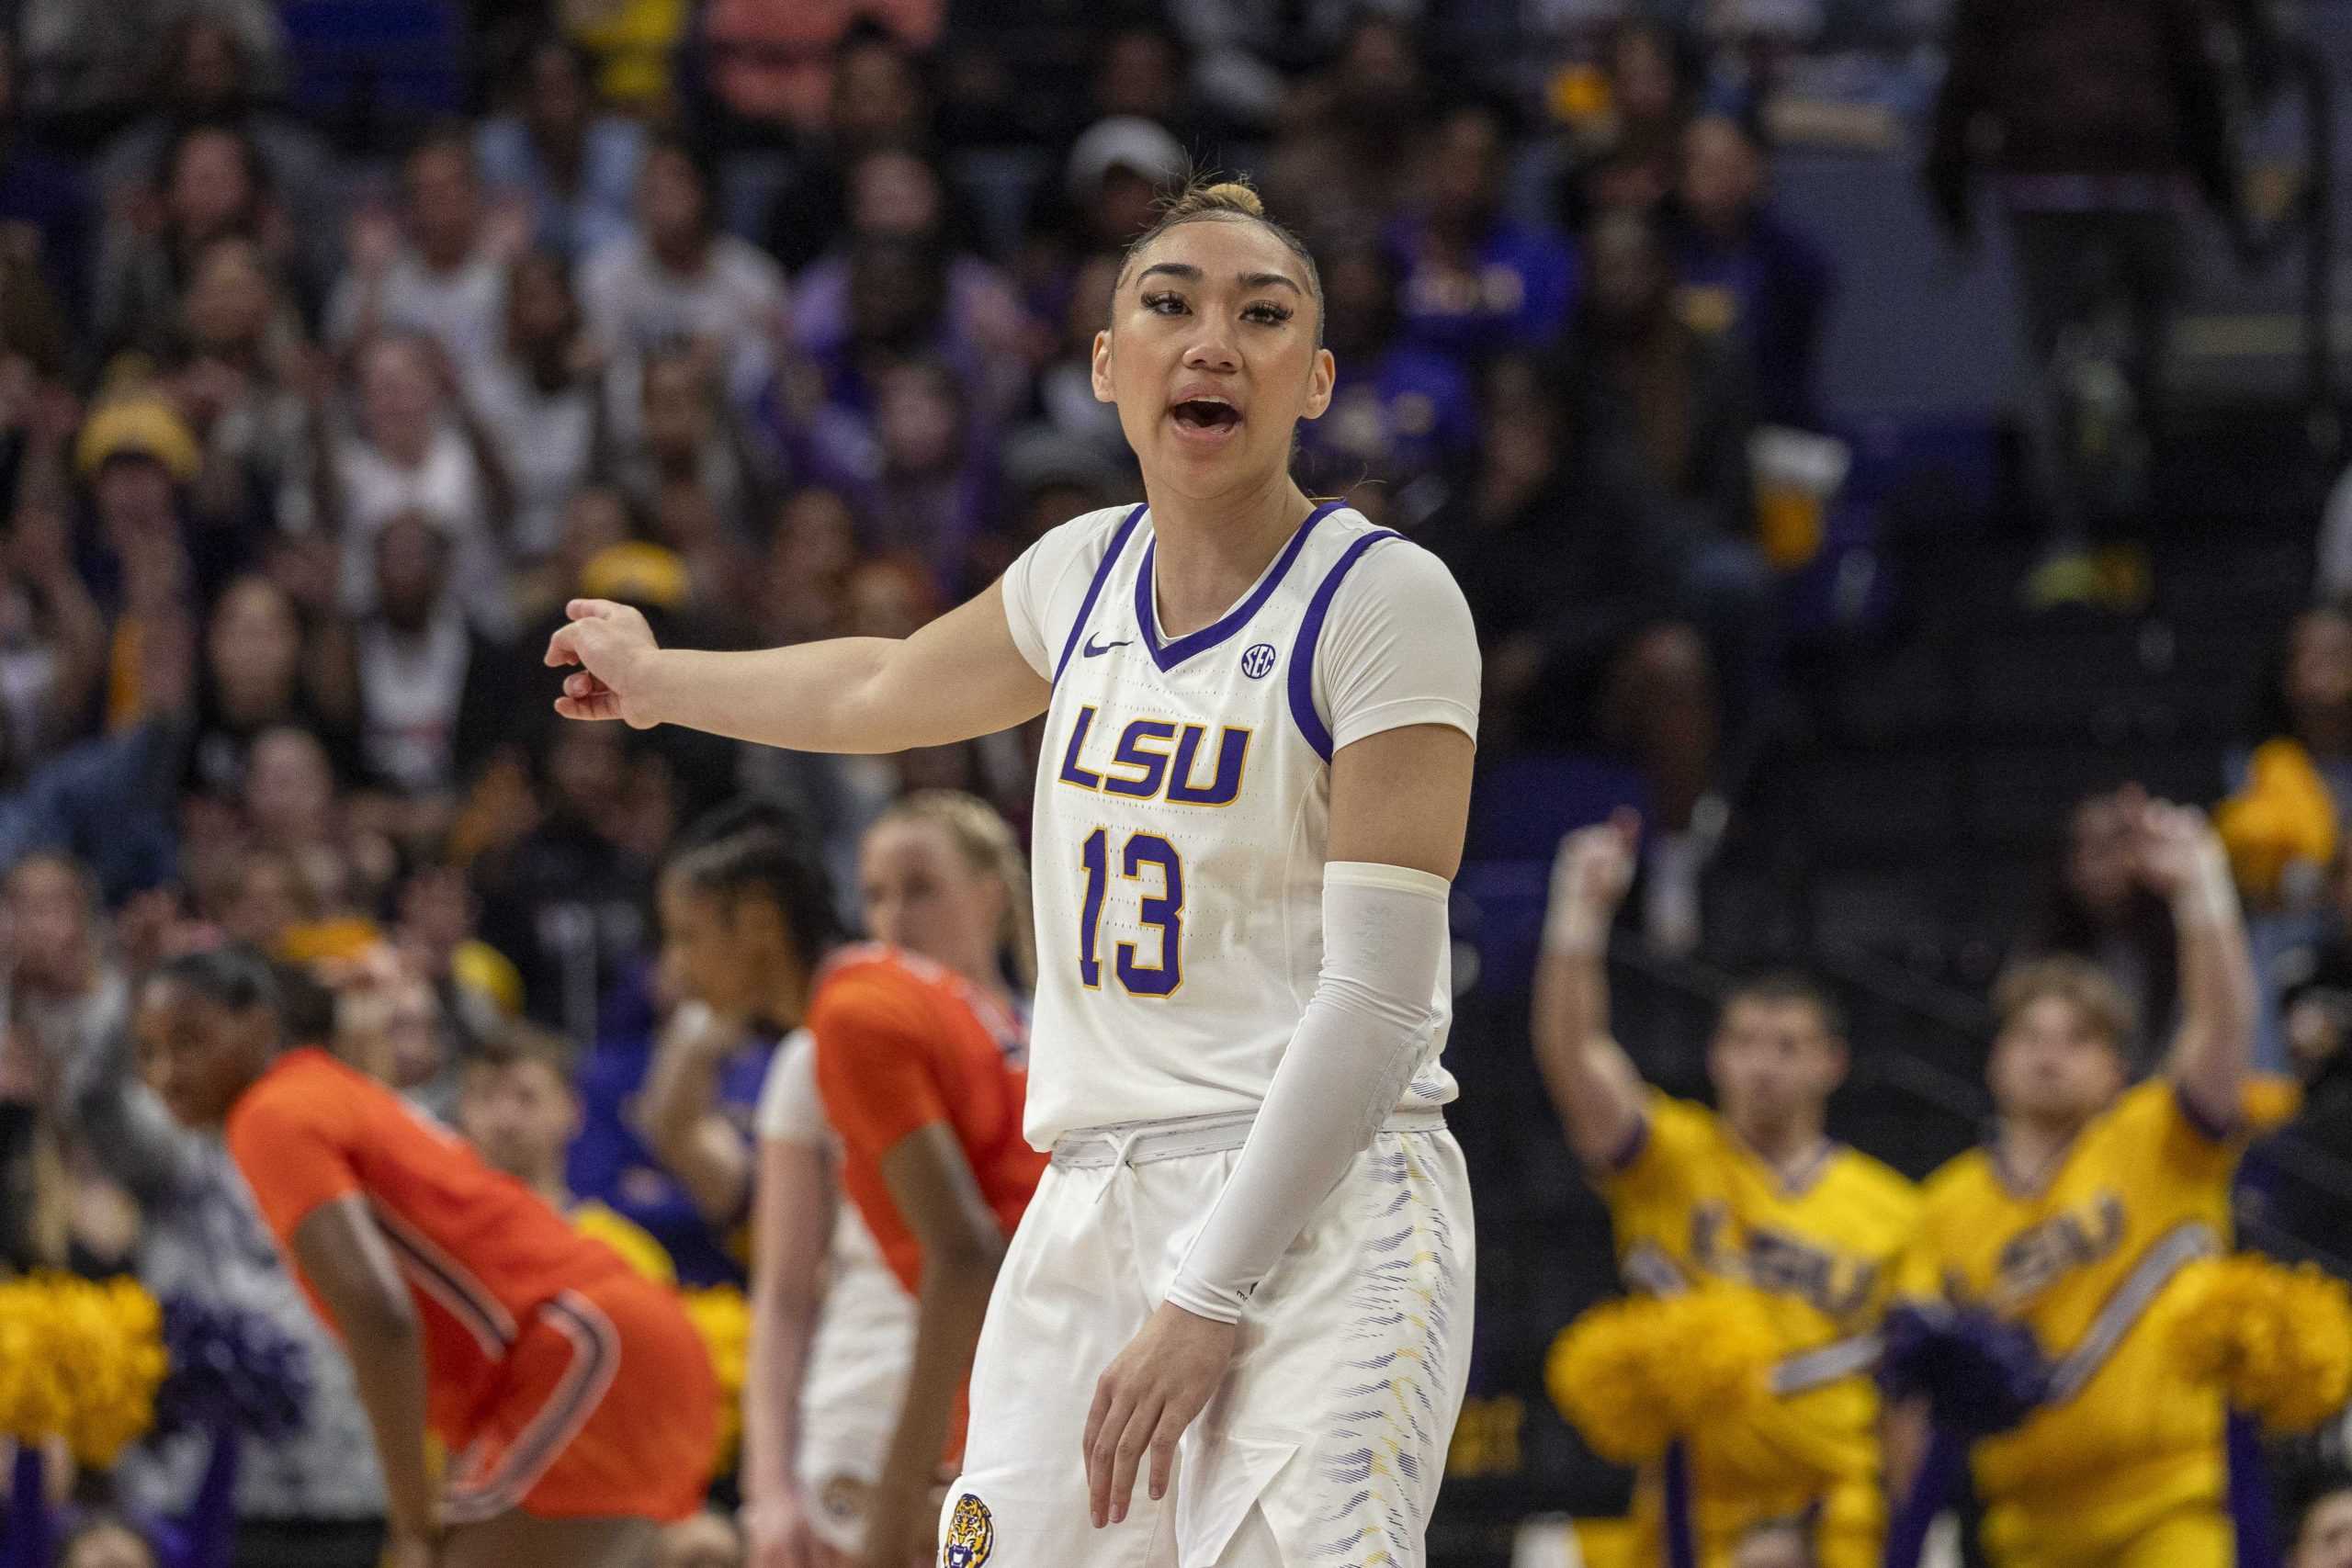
pixel 1679 402
pixel 2100 120
pixel 1244 51
pixel 925 486
pixel 979 327
pixel 262 669
pixel 416 447
pixel 68 998
pixel 2323 1536
pixel 1101 199
pixel 1142 70
pixel 809 557
pixel 211 184
pixel 1350 128
pixel 290 807
pixel 1609 618
pixel 695 474
pixel 2097 908
pixel 441 270
pixel 45 215
pixel 540 402
pixel 879 102
pixel 1746 273
pixel 1478 282
pixel 679 281
pixel 575 167
pixel 1627 153
pixel 239 374
pixel 204 75
pixel 137 456
pixel 433 695
pixel 568 903
pixel 53 638
pixel 519 1108
pixel 87 64
pixel 1065 385
pixel 770 68
pixel 1400 412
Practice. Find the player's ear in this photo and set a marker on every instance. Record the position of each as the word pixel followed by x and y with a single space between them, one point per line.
pixel 1103 391
pixel 1841 1061
pixel 1320 379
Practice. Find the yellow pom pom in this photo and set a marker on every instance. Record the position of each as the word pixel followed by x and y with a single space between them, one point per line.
pixel 2275 1340
pixel 723 1318
pixel 81 1360
pixel 1630 1375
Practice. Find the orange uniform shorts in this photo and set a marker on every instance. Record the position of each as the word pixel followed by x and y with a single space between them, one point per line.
pixel 605 1407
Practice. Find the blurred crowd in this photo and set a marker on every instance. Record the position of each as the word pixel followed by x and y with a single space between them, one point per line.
pixel 317 404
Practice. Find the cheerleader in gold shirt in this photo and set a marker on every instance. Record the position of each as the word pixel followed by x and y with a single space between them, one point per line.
pixel 2090 1197
pixel 1755 1193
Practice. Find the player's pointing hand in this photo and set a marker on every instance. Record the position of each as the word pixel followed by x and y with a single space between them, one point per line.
pixel 1145 1399
pixel 611 644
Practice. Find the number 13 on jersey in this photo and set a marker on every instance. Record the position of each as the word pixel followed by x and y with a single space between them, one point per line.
pixel 1141 858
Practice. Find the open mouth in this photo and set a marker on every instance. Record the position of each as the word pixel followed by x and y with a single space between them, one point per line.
pixel 1205 413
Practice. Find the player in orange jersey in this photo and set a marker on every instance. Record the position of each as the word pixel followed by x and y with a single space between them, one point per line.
pixel 575 1397
pixel 917 1068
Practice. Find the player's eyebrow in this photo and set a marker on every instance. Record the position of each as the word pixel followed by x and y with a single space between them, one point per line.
pixel 1186 272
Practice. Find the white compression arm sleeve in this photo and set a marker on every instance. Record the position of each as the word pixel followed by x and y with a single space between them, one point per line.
pixel 1356 1048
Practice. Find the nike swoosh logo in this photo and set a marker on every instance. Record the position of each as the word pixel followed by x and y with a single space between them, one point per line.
pixel 1092 652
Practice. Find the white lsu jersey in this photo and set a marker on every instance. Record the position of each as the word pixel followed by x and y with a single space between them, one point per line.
pixel 1183 804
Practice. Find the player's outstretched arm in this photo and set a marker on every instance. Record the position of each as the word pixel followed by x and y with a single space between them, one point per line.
pixel 343 1255
pixel 2182 859
pixel 959 677
pixel 1594 1086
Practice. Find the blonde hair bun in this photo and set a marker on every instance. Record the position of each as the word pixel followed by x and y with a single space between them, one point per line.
pixel 1200 198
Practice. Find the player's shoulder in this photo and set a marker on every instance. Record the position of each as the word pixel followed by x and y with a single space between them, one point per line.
pixel 304 1088
pixel 1086 537
pixel 866 977
pixel 1362 564
pixel 1065 556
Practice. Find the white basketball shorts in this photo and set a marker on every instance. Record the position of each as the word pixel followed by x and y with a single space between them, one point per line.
pixel 1325 1445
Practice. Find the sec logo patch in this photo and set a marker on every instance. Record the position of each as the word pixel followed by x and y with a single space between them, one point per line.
pixel 1258 661
pixel 971 1535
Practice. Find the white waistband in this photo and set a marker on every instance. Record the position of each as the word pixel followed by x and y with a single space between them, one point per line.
pixel 1141 1143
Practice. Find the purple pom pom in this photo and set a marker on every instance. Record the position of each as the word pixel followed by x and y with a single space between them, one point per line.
pixel 232 1370
pixel 1979 1373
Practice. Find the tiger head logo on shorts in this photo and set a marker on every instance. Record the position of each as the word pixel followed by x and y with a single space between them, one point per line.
pixel 971 1535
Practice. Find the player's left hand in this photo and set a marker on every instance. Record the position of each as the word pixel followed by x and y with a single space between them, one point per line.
pixel 1145 1399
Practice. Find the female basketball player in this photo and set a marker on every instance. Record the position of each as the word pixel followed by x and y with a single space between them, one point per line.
pixel 913 1069
pixel 1256 768
pixel 833 1331
pixel 574 1396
